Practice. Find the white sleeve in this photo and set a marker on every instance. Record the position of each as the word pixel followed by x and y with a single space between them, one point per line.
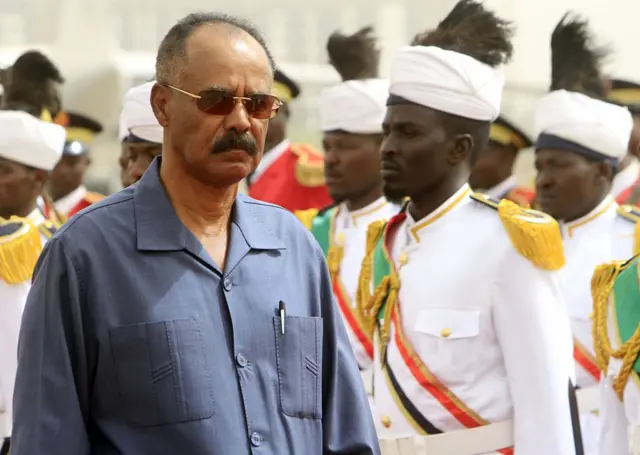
pixel 12 300
pixel 614 438
pixel 532 327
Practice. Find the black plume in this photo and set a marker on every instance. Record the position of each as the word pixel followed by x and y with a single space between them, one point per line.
pixel 472 30
pixel 576 60
pixel 354 56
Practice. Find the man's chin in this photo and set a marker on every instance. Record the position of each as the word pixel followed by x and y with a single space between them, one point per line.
pixel 394 194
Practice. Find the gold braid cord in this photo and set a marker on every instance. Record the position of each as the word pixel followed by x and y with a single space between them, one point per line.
pixel 334 259
pixel 363 292
pixel 602 284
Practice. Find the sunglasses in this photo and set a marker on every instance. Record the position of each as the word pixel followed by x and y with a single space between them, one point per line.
pixel 218 101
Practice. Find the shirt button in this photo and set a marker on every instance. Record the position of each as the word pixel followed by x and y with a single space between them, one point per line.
pixel 256 439
pixel 242 360
pixel 227 284
pixel 445 333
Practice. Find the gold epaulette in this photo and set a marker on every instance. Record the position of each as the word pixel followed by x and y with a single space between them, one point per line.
pixel 306 216
pixel 535 235
pixel 632 213
pixel 92 197
pixel 309 169
pixel 20 247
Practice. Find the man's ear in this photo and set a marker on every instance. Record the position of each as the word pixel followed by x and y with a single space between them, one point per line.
pixel 462 149
pixel 159 99
pixel 605 171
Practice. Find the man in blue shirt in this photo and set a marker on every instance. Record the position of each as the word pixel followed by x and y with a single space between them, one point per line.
pixel 178 318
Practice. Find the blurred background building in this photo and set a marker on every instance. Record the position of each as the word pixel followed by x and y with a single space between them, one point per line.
pixel 103 47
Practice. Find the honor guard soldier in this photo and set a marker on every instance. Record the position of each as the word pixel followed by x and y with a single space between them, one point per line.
pixel 289 175
pixel 140 133
pixel 626 188
pixel 351 114
pixel 617 339
pixel 66 187
pixel 485 347
pixel 580 142
pixel 492 172
pixel 29 150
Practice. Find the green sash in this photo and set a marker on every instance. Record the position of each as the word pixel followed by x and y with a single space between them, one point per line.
pixel 626 298
pixel 321 229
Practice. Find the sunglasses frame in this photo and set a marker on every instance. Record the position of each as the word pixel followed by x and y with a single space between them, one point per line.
pixel 237 99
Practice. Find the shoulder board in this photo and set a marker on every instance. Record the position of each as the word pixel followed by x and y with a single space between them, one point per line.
pixel 20 246
pixel 309 169
pixel 486 200
pixel 629 212
pixel 92 197
pixel 535 235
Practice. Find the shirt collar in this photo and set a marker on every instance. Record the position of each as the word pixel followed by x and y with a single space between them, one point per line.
pixel 158 227
pixel 269 158
pixel 607 204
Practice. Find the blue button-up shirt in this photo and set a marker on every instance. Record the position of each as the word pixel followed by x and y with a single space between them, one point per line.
pixel 134 342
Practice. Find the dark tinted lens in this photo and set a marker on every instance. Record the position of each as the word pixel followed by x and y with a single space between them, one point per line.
pixel 216 101
pixel 262 106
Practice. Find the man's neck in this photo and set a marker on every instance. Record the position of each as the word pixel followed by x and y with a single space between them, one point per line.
pixel 363 200
pixel 204 209
pixel 23 212
pixel 426 203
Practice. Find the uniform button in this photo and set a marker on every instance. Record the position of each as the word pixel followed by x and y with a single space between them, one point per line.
pixel 445 332
pixel 227 284
pixel 386 421
pixel 591 315
pixel 340 238
pixel 256 439
pixel 242 360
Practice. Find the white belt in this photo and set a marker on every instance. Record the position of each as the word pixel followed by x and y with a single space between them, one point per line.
pixel 635 440
pixel 487 438
pixel 588 399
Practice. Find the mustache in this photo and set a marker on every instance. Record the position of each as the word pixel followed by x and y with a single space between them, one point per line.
pixel 235 141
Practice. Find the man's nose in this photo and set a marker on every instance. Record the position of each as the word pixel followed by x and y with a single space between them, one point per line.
pixel 238 118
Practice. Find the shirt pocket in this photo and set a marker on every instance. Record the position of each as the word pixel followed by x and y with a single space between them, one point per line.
pixel 299 360
pixel 162 372
pixel 449 339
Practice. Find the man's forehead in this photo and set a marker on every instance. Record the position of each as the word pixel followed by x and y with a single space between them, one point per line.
pixel 407 113
pixel 220 56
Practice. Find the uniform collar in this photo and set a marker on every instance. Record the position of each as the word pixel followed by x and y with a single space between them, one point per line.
pixel 608 204
pixel 352 218
pixel 500 190
pixel 36 217
pixel 67 203
pixel 415 227
pixel 158 227
pixel 269 158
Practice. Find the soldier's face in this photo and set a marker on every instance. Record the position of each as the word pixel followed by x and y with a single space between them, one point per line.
pixel 416 151
pixel 568 185
pixel 140 157
pixel 19 188
pixel 351 164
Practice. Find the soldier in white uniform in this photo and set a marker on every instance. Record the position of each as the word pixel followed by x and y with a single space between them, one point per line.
pixel 471 328
pixel 580 142
pixel 351 115
pixel 29 150
pixel 617 340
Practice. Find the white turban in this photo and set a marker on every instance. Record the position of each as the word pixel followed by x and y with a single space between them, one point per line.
pixel 137 117
pixel 575 122
pixel 357 106
pixel 30 141
pixel 447 81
